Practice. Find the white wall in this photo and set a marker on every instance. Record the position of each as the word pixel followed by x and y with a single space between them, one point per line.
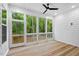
pixel 64 32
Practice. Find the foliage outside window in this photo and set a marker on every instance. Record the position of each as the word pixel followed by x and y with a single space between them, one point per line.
pixel 4 20
pixel 17 27
pixel 31 24
pixel 49 25
pixel 19 16
pixel 34 23
pixel 4 16
pixel 41 25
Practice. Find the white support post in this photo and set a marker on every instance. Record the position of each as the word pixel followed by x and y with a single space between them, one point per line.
pixel 53 29
pixel 37 28
pixel 9 26
pixel 46 29
pixel 25 30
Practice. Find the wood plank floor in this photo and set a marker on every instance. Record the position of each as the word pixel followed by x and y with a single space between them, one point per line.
pixel 46 48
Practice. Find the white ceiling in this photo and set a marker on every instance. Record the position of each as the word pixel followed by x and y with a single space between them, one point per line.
pixel 39 8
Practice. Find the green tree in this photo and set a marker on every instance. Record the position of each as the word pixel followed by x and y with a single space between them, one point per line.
pixel 31 24
pixel 41 25
pixel 18 27
pixel 4 16
pixel 49 25
pixel 4 13
pixel 34 24
pixel 19 16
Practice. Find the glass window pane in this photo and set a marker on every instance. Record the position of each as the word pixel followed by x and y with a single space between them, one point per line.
pixel 41 36
pixel 4 16
pixel 4 20
pixel 29 24
pixel 49 25
pixel 18 32
pixel 34 24
pixel 17 27
pixel 41 25
pixel 18 39
pixel 31 28
pixel 49 35
pixel 18 16
pixel 3 33
pixel 31 38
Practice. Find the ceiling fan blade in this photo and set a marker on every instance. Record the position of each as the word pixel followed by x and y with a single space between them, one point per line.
pixel 44 11
pixel 53 8
pixel 44 5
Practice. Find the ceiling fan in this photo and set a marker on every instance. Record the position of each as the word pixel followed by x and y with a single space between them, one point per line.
pixel 48 8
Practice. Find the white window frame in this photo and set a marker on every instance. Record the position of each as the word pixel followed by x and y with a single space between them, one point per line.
pixel 4 24
pixel 52 29
pixel 27 43
pixel 25 12
pixel 17 20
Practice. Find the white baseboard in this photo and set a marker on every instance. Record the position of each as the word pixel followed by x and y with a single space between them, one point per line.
pixel 68 43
